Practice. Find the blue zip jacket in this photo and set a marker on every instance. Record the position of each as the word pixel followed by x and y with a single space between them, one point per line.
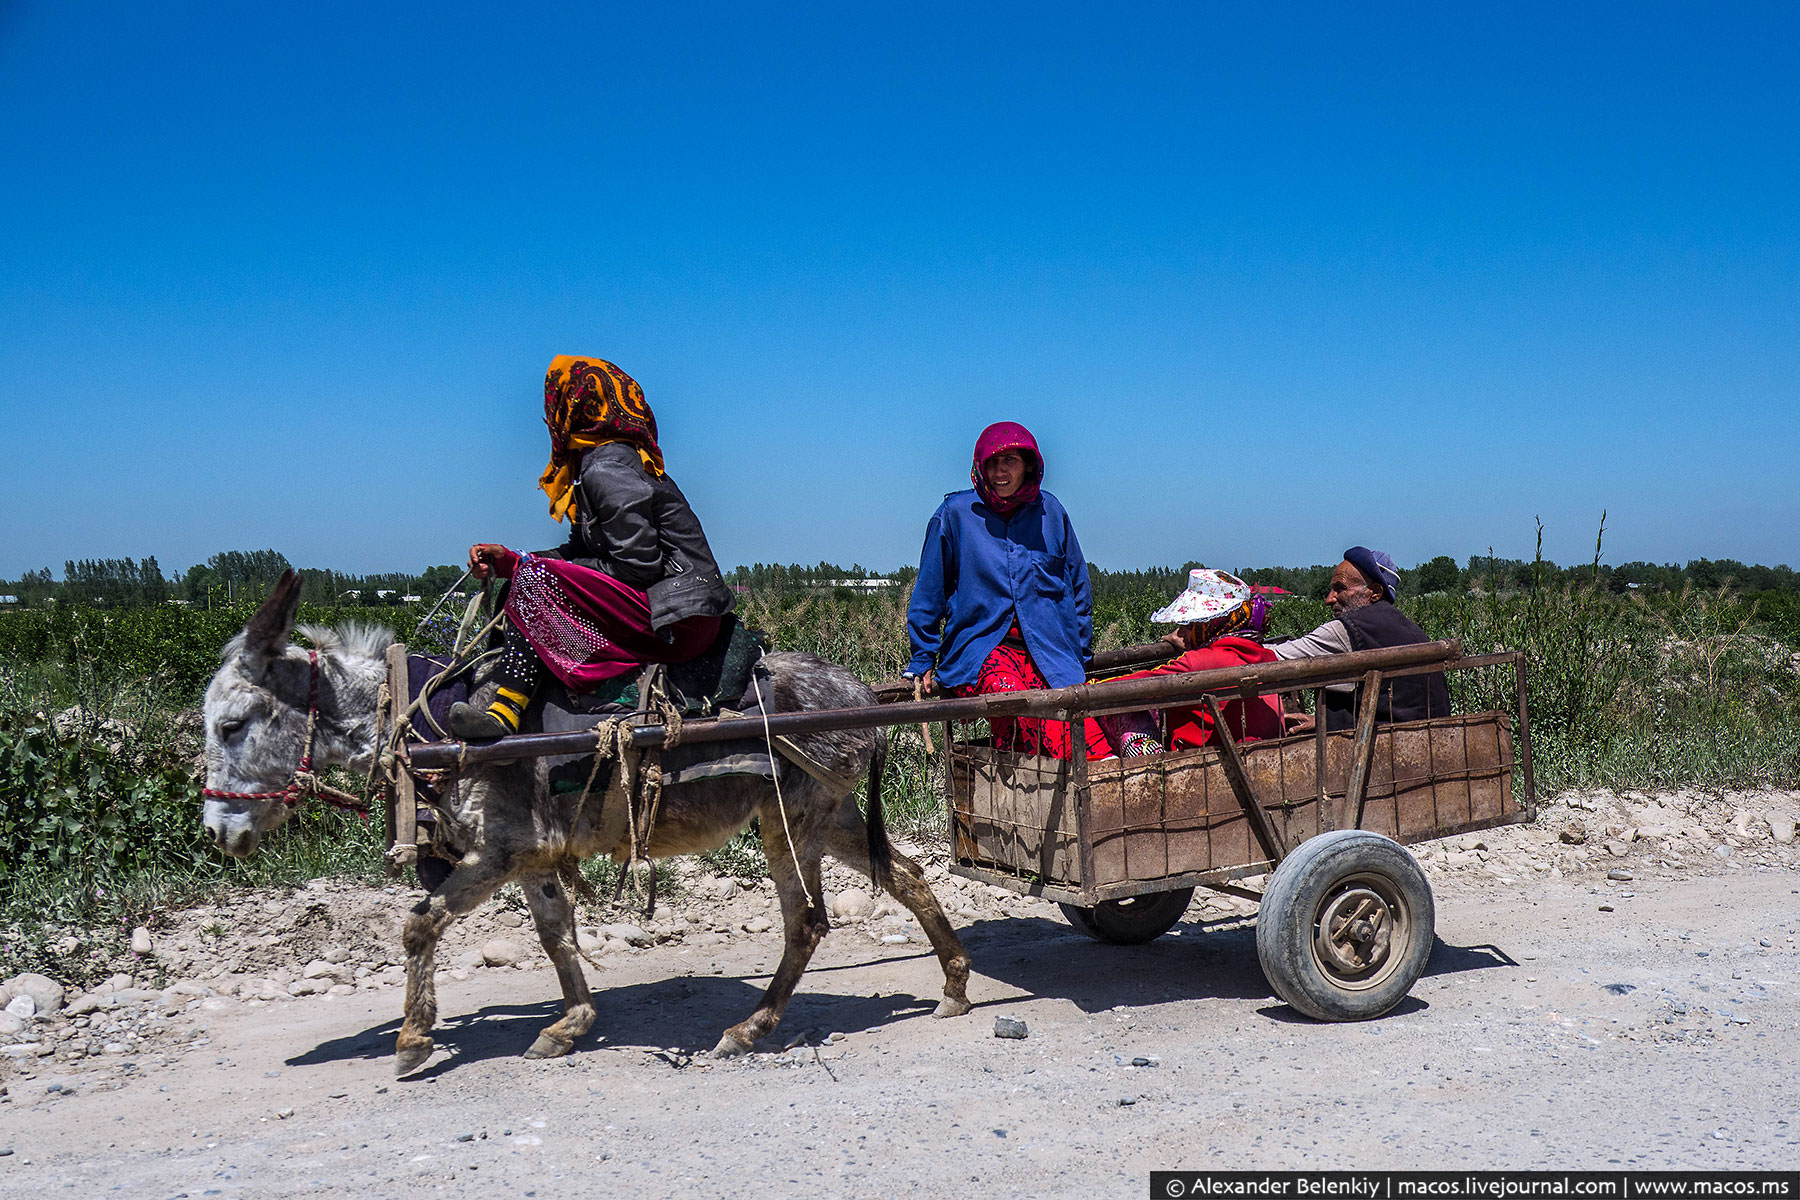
pixel 979 571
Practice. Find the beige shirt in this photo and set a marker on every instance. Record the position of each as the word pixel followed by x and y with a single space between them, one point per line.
pixel 1330 638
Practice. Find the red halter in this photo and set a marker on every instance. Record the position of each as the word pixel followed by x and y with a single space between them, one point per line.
pixel 304 783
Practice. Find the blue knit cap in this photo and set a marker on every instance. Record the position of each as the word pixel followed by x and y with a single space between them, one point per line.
pixel 1376 566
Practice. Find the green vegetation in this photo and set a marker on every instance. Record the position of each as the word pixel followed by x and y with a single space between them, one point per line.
pixel 99 744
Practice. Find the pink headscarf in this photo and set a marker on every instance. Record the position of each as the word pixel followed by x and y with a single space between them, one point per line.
pixel 1000 436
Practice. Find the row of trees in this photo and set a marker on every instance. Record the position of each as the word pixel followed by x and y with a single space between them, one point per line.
pixel 1492 574
pixel 225 577
pixel 247 574
pixel 773 577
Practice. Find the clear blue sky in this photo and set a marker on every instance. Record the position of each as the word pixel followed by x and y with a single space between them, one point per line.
pixel 1264 280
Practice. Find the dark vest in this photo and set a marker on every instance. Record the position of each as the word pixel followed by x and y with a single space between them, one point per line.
pixel 1409 698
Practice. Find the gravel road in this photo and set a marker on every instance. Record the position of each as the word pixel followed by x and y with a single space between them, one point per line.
pixel 1565 1020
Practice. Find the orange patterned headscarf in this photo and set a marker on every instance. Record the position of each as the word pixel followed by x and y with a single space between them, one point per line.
pixel 589 402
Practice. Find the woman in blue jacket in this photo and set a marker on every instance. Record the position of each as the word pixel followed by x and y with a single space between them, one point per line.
pixel 1002 601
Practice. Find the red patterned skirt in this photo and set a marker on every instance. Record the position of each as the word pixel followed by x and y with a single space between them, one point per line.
pixel 1010 669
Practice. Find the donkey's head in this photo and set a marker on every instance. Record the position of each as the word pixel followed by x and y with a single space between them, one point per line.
pixel 259 706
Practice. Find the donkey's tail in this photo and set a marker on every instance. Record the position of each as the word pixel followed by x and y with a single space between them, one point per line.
pixel 881 854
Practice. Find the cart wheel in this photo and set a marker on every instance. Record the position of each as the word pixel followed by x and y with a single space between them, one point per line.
pixel 1345 925
pixel 1131 921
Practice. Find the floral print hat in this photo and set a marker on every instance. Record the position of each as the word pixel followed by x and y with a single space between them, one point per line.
pixel 1209 594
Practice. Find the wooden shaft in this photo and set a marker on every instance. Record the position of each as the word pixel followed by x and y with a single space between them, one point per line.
pixel 1143 654
pixel 403 812
pixel 1054 703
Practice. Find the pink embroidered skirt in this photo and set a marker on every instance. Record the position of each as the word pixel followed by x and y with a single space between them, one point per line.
pixel 587 627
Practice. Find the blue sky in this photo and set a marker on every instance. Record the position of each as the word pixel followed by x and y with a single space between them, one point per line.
pixel 1265 281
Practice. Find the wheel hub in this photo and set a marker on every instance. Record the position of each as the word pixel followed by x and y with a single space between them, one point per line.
pixel 1354 931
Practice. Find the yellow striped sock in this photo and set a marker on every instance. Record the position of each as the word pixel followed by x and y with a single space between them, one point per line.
pixel 508 706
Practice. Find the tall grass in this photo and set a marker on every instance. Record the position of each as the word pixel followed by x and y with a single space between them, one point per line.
pixel 1665 690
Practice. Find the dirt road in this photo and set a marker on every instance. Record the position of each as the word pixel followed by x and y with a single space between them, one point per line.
pixel 1546 1032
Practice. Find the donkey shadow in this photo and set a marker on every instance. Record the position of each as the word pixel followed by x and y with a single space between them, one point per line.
pixel 681 1015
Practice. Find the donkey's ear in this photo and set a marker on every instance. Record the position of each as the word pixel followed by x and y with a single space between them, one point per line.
pixel 266 636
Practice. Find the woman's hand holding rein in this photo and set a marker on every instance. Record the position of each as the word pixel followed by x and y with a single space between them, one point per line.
pixel 487 559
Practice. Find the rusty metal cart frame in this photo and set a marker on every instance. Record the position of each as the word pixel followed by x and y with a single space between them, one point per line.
pixel 1435 778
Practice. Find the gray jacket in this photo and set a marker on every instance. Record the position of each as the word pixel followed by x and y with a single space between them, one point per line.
pixel 641 531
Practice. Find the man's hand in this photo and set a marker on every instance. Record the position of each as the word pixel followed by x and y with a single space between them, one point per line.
pixel 487 559
pixel 1295 722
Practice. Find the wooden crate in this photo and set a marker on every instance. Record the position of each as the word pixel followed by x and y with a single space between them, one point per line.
pixel 1173 819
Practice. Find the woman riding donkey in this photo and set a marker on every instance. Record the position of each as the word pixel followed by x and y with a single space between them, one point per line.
pixel 636 582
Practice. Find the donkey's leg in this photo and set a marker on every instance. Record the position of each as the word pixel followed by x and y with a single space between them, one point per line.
pixel 554 917
pixel 467 887
pixel 848 842
pixel 802 923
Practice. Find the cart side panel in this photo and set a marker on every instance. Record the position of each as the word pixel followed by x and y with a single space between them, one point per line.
pixel 1283 776
pixel 1145 842
pixel 1013 813
pixel 1381 797
pixel 1412 755
pixel 964 841
pixel 1161 822
pixel 1106 824
pixel 1434 778
pixel 1189 791
pixel 1175 815
pixel 1485 795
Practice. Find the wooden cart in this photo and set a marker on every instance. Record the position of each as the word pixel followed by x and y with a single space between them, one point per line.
pixel 1345 922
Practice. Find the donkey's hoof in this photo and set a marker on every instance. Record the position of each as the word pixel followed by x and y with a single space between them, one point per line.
pixel 730 1047
pixel 548 1047
pixel 951 1006
pixel 408 1059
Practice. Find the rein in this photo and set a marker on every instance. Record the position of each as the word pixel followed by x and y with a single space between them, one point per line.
pixel 304 784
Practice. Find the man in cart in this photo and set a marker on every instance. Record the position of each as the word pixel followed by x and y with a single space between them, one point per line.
pixel 1364 618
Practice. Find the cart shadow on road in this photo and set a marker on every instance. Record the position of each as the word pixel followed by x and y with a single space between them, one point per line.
pixel 1447 959
pixel 1195 960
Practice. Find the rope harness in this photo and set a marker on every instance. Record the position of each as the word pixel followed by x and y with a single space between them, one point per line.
pixel 304 784
pixel 633 797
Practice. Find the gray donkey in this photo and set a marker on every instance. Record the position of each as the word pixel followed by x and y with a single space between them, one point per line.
pixel 508 825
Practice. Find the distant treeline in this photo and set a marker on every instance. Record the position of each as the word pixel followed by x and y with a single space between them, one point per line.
pixel 1485 574
pixel 235 575
pixel 224 578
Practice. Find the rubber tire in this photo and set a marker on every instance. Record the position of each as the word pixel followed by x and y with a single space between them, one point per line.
pixel 1132 921
pixel 1304 885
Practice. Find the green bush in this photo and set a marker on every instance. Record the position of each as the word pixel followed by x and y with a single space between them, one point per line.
pixel 90 799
